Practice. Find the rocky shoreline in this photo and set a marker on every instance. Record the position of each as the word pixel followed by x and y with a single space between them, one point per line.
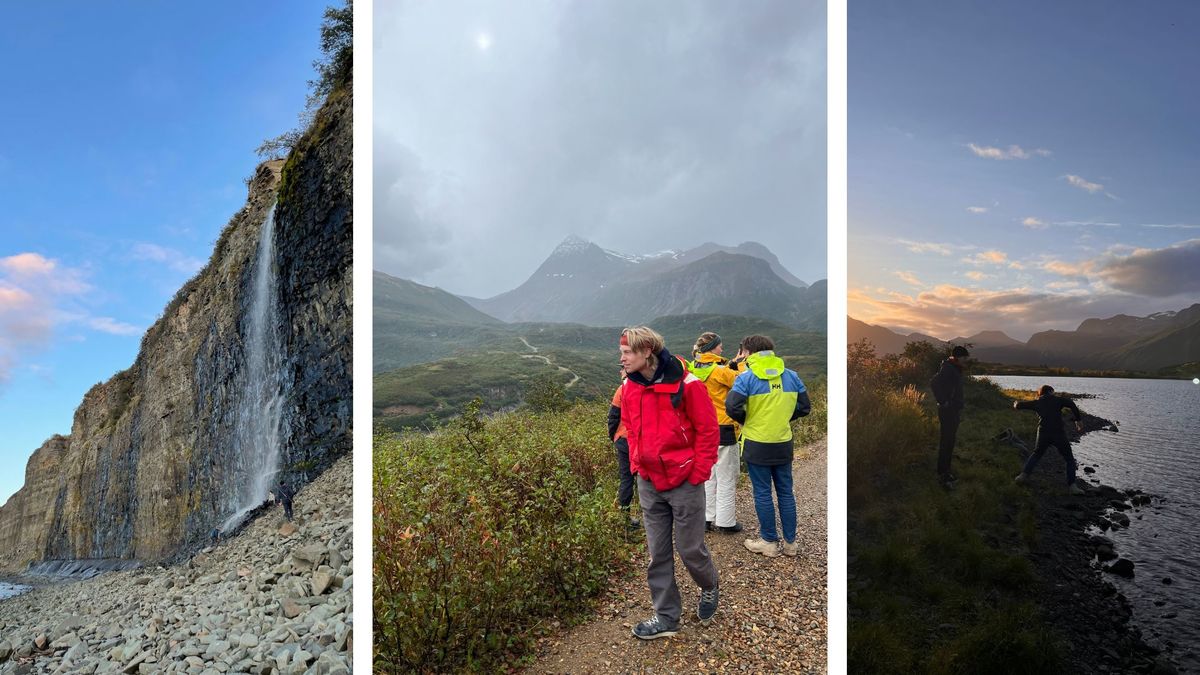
pixel 1094 620
pixel 274 599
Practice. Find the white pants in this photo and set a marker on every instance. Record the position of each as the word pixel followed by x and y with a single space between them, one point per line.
pixel 721 487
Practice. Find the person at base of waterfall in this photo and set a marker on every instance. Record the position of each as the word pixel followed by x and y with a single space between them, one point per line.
pixel 284 498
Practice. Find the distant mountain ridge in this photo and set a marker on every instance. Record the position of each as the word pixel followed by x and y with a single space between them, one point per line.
pixel 1122 342
pixel 581 282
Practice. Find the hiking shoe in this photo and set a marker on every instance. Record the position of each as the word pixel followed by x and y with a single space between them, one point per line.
pixel 731 529
pixel 1076 490
pixel 708 526
pixel 1021 478
pixel 767 548
pixel 708 604
pixel 633 525
pixel 653 629
pixel 792 549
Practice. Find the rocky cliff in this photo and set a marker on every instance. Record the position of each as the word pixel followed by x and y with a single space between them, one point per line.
pixel 154 456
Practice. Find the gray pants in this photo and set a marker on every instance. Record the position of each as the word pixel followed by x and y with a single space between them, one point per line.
pixel 680 509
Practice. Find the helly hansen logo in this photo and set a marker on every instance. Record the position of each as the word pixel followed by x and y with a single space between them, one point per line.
pixel 776 386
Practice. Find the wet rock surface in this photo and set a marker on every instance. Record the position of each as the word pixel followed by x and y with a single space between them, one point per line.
pixel 273 599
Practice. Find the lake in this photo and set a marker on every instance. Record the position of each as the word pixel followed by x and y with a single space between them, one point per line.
pixel 1156 451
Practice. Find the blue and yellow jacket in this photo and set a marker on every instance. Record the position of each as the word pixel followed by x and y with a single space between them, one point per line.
pixel 765 398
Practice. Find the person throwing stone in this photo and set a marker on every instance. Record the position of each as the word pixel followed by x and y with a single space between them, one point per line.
pixel 1050 432
pixel 673 435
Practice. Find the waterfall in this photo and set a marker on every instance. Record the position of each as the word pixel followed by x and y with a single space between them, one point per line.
pixel 259 412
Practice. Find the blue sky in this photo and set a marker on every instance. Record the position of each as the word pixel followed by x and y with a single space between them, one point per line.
pixel 1021 166
pixel 125 137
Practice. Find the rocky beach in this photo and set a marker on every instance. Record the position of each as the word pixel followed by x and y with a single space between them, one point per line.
pixel 275 598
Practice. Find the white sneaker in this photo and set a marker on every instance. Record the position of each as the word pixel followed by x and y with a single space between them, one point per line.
pixel 792 549
pixel 767 548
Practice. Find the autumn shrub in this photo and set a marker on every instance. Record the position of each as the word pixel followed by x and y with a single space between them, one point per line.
pixel 486 528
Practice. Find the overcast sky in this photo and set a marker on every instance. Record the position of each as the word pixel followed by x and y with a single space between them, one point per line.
pixel 639 126
pixel 1021 166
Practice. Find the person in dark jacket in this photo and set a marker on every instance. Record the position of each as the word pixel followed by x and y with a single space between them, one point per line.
pixel 765 398
pixel 673 437
pixel 1050 432
pixel 619 437
pixel 947 387
pixel 284 496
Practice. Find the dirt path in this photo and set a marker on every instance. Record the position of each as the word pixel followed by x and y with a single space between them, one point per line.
pixel 772 616
pixel 547 361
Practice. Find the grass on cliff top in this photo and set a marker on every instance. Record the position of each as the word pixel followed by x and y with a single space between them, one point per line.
pixel 938 581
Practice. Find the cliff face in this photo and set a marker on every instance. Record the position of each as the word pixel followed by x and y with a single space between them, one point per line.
pixel 153 452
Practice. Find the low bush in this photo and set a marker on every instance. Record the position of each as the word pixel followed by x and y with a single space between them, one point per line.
pixel 485 528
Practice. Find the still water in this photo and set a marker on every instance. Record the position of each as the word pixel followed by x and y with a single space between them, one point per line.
pixel 1157 451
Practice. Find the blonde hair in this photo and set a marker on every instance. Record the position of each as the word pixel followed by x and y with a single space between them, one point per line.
pixel 643 337
pixel 706 339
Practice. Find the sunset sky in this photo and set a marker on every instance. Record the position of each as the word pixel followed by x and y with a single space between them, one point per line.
pixel 1045 173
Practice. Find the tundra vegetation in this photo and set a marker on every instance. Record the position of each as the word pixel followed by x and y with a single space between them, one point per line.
pixel 490 531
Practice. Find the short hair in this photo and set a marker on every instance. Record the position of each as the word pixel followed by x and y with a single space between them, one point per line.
pixel 959 352
pixel 1045 389
pixel 757 343
pixel 641 338
pixel 707 341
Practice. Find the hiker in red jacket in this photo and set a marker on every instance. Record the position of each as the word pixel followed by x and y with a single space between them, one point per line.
pixel 673 436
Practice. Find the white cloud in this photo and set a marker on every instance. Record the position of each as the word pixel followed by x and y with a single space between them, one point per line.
pixel 38 294
pixel 988 258
pixel 173 259
pixel 1034 223
pixel 1012 152
pixel 925 246
pixel 909 278
pixel 977 209
pixel 1083 184
pixel 111 326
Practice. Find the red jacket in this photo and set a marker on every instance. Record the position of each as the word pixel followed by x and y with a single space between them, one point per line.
pixel 673 431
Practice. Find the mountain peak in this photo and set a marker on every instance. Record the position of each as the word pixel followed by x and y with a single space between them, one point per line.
pixel 572 244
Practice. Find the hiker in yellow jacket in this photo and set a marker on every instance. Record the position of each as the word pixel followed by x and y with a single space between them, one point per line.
pixel 718 375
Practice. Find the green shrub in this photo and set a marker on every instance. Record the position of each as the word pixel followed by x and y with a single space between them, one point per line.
pixel 485 527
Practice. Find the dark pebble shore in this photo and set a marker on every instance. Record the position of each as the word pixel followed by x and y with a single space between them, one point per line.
pixel 1094 620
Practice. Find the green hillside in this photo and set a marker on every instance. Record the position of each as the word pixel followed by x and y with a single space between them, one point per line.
pixel 501 369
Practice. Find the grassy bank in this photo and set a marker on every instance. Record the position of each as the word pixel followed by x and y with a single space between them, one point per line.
pixel 938 580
